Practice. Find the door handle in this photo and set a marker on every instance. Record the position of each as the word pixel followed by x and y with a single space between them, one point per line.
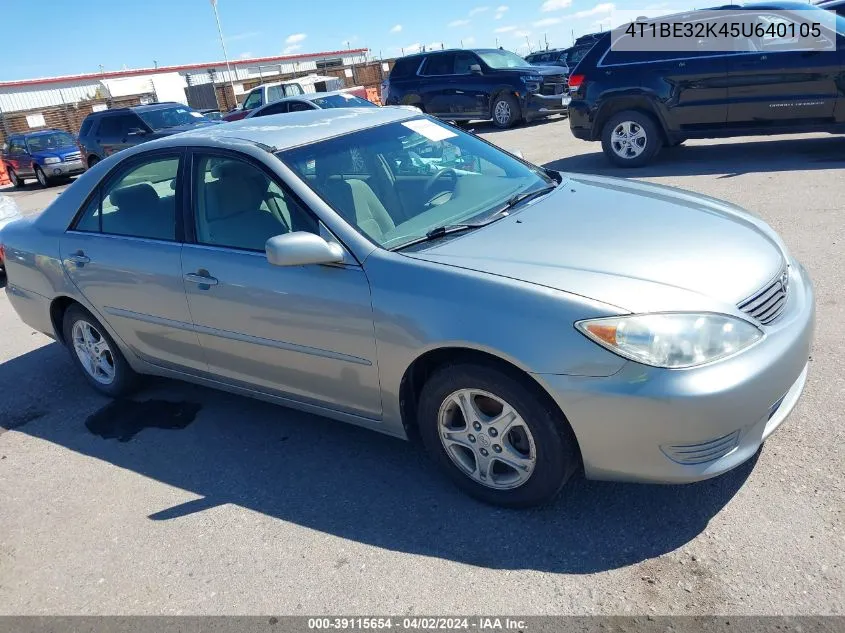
pixel 682 64
pixel 201 279
pixel 79 258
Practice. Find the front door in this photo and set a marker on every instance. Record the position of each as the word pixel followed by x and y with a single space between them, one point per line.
pixel 123 254
pixel 303 332
pixel 472 90
pixel 772 81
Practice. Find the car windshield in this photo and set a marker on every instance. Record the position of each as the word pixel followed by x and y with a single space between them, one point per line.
pixel 502 59
pixel 342 101
pixel 170 117
pixel 397 182
pixel 56 140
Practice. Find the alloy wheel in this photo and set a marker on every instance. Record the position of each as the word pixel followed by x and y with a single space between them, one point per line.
pixel 502 112
pixel 628 139
pixel 93 351
pixel 41 176
pixel 487 439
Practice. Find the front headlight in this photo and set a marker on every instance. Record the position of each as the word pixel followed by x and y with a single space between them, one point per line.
pixel 672 340
pixel 52 160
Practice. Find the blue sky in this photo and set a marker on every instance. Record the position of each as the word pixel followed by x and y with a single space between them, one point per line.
pixel 61 38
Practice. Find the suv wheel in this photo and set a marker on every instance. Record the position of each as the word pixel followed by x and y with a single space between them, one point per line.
pixel 17 182
pixel 505 111
pixel 630 138
pixel 42 177
pixel 93 161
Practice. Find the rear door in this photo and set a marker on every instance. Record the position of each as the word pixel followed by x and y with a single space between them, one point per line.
pixel 113 132
pixel 19 157
pixel 772 82
pixel 437 91
pixel 123 254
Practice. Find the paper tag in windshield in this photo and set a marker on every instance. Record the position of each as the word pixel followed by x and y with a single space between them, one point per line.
pixel 429 129
pixel 197 115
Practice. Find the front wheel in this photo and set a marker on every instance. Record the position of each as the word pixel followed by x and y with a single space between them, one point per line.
pixel 41 177
pixel 494 437
pixel 96 354
pixel 505 111
pixel 630 138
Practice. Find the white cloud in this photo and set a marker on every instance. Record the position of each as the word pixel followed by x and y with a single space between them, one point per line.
pixel 291 49
pixel 246 55
pixel 522 33
pixel 478 10
pixel 295 38
pixel 455 23
pixel 396 29
pixel 468 41
pixel 504 29
pixel 555 5
pixel 605 7
pixel 547 22
pixel 500 11
pixel 237 37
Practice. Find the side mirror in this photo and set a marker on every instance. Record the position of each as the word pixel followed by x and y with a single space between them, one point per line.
pixel 475 69
pixel 5 148
pixel 301 248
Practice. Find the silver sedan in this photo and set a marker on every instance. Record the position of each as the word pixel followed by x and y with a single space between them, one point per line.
pixel 385 269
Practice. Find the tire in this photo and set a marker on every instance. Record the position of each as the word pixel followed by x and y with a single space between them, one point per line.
pixel 16 180
pixel 124 379
pixel 93 160
pixel 41 177
pixel 549 440
pixel 505 111
pixel 642 144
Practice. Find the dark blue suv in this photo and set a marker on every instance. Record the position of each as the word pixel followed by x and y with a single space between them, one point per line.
pixel 46 155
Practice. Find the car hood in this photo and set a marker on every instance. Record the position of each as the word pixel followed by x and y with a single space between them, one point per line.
pixel 637 246
pixel 542 70
pixel 54 153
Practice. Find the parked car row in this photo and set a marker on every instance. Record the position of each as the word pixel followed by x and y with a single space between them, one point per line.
pixel 637 102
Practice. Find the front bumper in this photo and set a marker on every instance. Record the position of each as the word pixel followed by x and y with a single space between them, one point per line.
pixel 536 105
pixel 70 168
pixel 675 426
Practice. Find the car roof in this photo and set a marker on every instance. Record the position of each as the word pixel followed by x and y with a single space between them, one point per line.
pixel 283 131
pixel 40 132
pixel 311 96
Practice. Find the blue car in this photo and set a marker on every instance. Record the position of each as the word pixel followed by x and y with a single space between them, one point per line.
pixel 46 156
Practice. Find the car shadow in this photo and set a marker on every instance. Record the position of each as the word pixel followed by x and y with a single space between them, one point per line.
pixel 347 481
pixel 725 159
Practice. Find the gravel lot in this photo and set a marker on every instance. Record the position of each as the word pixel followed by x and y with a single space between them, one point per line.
pixel 257 509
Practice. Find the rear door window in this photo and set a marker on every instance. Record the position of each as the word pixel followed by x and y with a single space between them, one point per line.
pixel 439 64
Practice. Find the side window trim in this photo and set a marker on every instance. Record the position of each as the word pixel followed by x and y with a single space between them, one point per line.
pixel 189 218
pixel 120 169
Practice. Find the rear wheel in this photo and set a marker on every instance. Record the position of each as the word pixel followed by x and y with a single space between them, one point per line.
pixel 93 160
pixel 631 138
pixel 41 177
pixel 494 437
pixel 505 111
pixel 96 354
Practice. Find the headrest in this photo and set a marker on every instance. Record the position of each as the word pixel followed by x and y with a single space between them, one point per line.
pixel 134 196
pixel 333 164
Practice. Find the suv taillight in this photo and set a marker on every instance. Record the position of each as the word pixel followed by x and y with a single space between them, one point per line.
pixel 575 82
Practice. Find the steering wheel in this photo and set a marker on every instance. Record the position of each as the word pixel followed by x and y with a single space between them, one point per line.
pixel 444 174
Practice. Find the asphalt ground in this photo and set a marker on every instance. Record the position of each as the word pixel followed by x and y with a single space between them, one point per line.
pixel 255 509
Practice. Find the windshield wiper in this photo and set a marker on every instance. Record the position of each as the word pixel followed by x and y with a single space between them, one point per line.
pixel 441 231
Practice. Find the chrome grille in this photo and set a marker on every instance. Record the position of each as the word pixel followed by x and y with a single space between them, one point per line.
pixel 769 303
pixel 69 158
